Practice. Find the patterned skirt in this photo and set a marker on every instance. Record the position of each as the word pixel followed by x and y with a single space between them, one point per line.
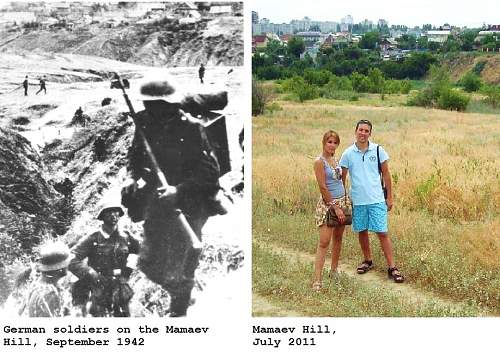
pixel 322 208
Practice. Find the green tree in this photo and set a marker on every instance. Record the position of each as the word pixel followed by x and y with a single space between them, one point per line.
pixel 370 40
pixel 433 46
pixel 377 80
pixel 296 46
pixel 422 42
pixel 451 45
pixel 360 82
pixel 408 42
pixel 467 39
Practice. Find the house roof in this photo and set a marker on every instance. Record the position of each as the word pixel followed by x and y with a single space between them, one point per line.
pixel 259 38
pixel 439 32
pixel 286 37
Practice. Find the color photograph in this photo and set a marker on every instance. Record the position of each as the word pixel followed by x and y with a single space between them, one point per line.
pixel 375 133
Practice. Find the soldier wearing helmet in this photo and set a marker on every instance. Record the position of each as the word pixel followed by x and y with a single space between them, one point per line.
pixel 44 295
pixel 184 154
pixel 105 274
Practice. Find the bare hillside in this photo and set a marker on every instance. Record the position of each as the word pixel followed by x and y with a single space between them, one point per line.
pixel 488 64
pixel 163 42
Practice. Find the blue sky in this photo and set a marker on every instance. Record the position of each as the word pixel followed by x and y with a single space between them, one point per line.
pixel 410 13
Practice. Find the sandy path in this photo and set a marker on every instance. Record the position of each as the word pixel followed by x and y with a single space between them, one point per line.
pixel 406 290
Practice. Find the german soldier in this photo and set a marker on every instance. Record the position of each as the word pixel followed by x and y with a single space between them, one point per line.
pixel 25 85
pixel 44 295
pixel 105 274
pixel 184 155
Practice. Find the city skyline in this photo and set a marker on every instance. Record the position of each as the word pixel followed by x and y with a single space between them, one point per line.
pixel 411 14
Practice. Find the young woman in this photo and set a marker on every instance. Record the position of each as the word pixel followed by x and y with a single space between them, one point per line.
pixel 329 177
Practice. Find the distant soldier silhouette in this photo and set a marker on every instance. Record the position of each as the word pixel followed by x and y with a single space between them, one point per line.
pixel 25 86
pixel 42 86
pixel 100 148
pixel 201 73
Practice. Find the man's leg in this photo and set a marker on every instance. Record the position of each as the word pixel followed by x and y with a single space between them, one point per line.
pixel 360 223
pixel 364 242
pixel 386 244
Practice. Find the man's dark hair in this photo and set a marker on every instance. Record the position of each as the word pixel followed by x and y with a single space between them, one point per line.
pixel 364 121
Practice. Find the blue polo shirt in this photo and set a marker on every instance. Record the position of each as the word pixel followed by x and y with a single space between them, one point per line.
pixel 363 172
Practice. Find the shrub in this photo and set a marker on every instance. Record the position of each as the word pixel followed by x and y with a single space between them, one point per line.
pixel 453 100
pixel 470 82
pixel 21 120
pixel 422 98
pixel 339 83
pixel 492 95
pixel 331 93
pixel 317 77
pixel 291 84
pixel 259 97
pixel 273 107
pixel 377 80
pixel 405 86
pixel 306 92
pixel 478 68
pixel 360 82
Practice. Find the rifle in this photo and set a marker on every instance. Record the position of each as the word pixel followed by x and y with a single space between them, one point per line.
pixel 192 238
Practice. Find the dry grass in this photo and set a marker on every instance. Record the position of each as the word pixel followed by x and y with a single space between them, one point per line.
pixel 445 172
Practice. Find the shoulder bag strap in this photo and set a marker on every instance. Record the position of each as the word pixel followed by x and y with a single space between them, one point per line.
pixel 380 168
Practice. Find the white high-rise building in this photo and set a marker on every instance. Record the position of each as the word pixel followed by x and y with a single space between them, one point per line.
pixel 255 17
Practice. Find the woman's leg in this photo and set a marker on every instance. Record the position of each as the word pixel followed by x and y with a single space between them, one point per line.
pixel 325 235
pixel 336 246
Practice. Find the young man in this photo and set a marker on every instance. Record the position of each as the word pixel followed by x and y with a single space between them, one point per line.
pixel 369 206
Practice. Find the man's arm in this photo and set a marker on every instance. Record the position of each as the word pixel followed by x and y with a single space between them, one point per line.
pixel 81 251
pixel 386 176
pixel 344 177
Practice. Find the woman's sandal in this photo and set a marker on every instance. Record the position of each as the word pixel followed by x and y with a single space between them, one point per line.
pixel 395 275
pixel 364 267
pixel 316 286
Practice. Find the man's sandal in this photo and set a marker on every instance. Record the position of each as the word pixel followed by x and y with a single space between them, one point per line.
pixel 364 267
pixel 395 275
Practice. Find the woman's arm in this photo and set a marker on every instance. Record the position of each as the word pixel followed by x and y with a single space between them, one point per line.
pixel 319 172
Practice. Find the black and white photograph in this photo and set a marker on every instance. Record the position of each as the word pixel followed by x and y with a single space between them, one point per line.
pixel 121 158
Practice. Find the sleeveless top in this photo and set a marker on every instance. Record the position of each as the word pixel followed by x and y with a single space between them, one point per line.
pixel 333 179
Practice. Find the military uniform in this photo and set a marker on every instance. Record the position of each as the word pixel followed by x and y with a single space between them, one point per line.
pixel 107 255
pixel 184 155
pixel 44 299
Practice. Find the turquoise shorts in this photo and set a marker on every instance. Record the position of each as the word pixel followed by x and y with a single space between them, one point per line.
pixel 372 217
